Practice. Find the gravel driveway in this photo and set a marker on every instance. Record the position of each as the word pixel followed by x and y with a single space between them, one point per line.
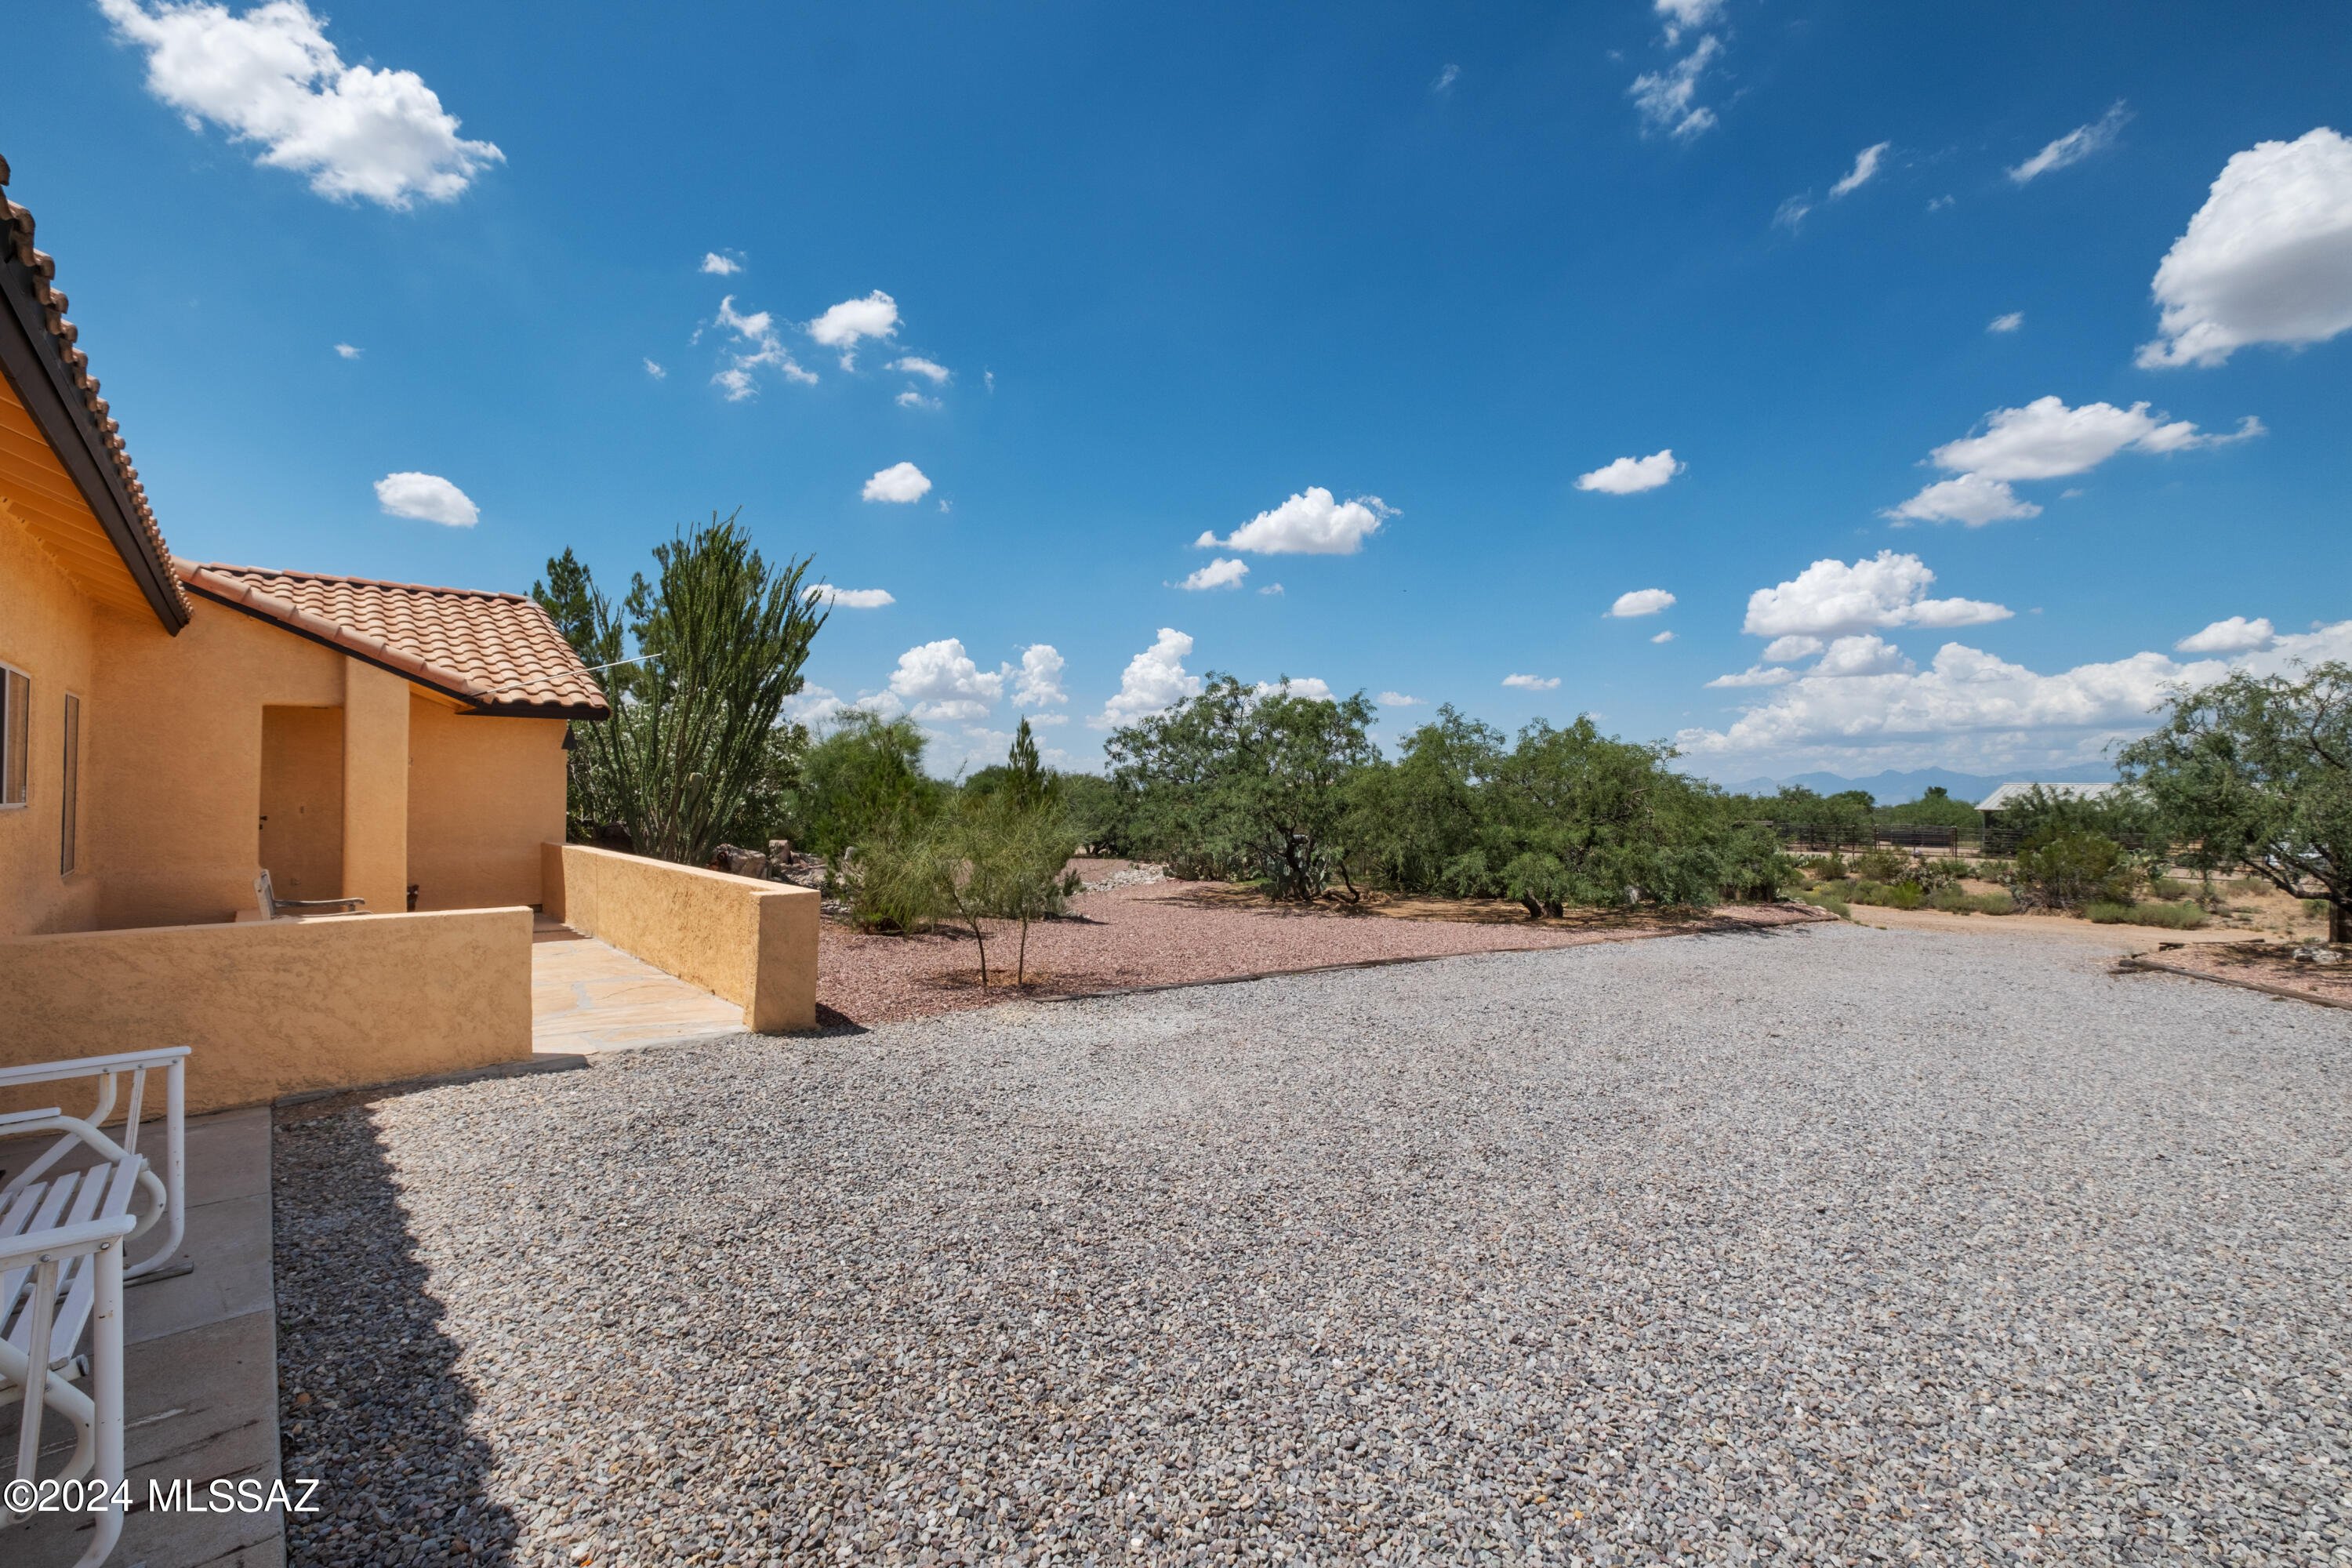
pixel 1823 1244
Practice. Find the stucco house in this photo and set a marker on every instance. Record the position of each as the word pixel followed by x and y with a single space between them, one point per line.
pixel 168 728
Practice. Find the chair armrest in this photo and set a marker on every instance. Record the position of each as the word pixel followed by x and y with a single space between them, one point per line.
pixel 87 1237
pixel 318 903
pixel 15 1119
pixel 90 1067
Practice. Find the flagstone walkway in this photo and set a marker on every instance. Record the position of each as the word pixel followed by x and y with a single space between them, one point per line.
pixel 588 996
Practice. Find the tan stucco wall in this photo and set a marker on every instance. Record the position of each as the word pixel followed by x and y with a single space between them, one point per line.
pixel 175 775
pixel 49 629
pixel 751 943
pixel 483 795
pixel 278 1009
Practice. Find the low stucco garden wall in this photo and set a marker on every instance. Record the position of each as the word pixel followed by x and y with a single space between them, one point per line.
pixel 277 1008
pixel 749 942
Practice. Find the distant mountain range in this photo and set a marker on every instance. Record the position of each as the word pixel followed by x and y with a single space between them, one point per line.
pixel 1891 788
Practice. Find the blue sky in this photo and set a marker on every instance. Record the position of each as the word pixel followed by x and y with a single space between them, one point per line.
pixel 1420 268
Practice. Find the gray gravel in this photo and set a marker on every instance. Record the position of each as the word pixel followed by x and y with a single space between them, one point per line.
pixel 1823 1244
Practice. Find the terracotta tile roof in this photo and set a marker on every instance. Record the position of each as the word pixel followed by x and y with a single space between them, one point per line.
pixel 496 652
pixel 16 236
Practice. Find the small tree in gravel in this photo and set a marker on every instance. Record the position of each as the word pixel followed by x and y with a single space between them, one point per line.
pixel 2260 768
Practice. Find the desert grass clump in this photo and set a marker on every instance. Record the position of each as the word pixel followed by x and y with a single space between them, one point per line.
pixel 2170 917
pixel 1953 902
pixel 1829 901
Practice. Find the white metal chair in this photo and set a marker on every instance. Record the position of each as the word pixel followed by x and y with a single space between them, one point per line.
pixel 62 1239
pixel 54 1279
pixel 168 1192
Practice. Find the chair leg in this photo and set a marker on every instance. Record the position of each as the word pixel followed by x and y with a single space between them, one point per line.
pixel 106 1393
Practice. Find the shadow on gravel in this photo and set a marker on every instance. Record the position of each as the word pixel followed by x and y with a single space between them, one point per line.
pixel 368 1396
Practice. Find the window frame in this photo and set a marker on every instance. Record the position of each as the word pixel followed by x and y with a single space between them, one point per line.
pixel 70 789
pixel 15 739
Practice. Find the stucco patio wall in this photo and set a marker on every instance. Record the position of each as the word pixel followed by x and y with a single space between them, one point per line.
pixel 749 942
pixel 277 1008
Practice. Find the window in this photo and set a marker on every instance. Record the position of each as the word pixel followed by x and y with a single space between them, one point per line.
pixel 71 788
pixel 16 726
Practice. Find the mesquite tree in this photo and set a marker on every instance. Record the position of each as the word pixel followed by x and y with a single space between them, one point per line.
pixel 720 639
pixel 1240 776
pixel 2260 767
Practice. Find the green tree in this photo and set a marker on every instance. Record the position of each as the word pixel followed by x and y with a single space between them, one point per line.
pixel 720 640
pixel 2260 768
pixel 863 778
pixel 1416 818
pixel 1242 778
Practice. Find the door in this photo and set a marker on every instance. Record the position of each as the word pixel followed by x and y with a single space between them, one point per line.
pixel 302 800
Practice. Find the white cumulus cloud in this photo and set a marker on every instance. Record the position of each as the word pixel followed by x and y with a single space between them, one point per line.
pixel 1755 674
pixel 1640 602
pixel 876 316
pixel 2267 259
pixel 939 681
pixel 2236 634
pixel 2045 440
pixel 2007 323
pixel 757 344
pixel 899 482
pixel 656 371
pixel 915 364
pixel 1830 598
pixel 1154 681
pixel 1039 680
pixel 347 352
pixel 2075 146
pixel 1226 572
pixel 1311 523
pixel 1532 682
pixel 721 266
pixel 427 496
pixel 1631 476
pixel 1663 636
pixel 1971 499
pixel 1866 653
pixel 1312 687
pixel 849 598
pixel 1782 651
pixel 1398 700
pixel 1972 709
pixel 911 398
pixel 1668 99
pixel 271 77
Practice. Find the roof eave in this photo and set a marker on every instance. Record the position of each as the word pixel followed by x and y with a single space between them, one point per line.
pixel 37 368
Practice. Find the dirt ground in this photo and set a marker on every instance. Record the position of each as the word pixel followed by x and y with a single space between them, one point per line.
pixel 1174 933
pixel 2271 963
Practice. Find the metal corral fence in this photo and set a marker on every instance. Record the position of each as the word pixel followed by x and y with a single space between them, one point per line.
pixel 1841 838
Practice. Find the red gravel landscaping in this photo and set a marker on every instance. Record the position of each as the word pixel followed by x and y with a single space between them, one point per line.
pixel 1174 933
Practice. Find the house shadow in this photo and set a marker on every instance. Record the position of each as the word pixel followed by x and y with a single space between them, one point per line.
pixel 369 1396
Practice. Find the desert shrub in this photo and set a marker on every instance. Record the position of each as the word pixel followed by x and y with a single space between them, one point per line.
pixel 1952 900
pixel 1828 868
pixel 2171 917
pixel 1822 900
pixel 2315 908
pixel 1881 863
pixel 2167 888
pixel 2064 869
pixel 1887 895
